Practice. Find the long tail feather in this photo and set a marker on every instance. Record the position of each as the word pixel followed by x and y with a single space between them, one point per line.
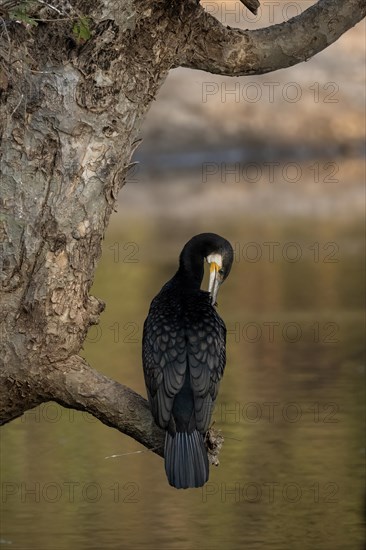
pixel 186 462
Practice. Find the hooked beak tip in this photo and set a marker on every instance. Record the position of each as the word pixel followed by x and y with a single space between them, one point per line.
pixel 214 283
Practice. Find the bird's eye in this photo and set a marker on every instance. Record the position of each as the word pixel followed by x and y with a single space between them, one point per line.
pixel 222 272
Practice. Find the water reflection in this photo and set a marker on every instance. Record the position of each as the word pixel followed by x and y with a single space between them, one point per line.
pixel 289 406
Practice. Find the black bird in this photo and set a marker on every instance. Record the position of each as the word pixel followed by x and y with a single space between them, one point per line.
pixel 184 357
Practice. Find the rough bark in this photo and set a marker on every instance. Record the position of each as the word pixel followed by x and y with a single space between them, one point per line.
pixel 70 114
pixel 235 52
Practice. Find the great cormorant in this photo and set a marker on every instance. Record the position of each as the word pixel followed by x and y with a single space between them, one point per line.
pixel 184 357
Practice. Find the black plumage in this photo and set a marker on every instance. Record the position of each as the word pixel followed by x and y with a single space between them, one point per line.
pixel 184 357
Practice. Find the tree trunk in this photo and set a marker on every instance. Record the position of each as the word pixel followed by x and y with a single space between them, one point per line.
pixel 70 114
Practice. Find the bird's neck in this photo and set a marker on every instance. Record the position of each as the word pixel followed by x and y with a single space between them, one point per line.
pixel 190 274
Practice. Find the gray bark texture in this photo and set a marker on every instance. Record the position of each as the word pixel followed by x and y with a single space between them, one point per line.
pixel 76 80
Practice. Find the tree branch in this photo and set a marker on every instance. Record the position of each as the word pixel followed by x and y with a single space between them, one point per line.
pixel 74 384
pixel 252 5
pixel 222 50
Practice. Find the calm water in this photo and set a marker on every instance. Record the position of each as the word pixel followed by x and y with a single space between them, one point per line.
pixel 290 405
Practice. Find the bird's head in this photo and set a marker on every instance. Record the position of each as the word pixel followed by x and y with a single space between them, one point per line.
pixel 212 248
pixel 220 261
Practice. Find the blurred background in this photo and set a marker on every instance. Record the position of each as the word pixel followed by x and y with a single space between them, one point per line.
pixel 276 164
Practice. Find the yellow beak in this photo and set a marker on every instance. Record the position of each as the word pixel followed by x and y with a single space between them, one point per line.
pixel 214 281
